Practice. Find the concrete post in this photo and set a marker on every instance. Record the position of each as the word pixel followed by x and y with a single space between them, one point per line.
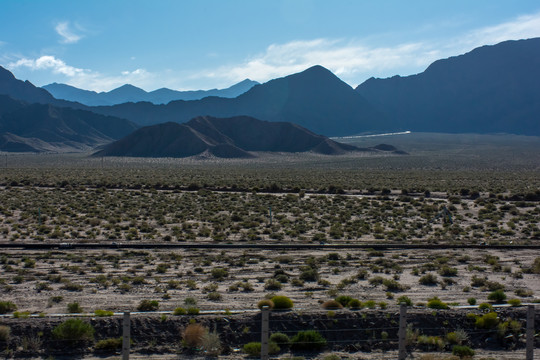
pixel 126 336
pixel 264 332
pixel 402 334
pixel 530 333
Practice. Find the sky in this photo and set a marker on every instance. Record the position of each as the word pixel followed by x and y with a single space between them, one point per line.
pixel 203 44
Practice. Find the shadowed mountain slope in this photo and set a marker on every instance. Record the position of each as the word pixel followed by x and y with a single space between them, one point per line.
pixel 229 138
pixel 44 127
pixel 490 89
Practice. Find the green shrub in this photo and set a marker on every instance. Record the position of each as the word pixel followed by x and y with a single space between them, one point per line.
pixel 487 321
pixel 103 313
pixel 471 301
pixel 73 330
pixel 110 344
pixel 148 305
pixel 219 273
pixel 7 306
pixel 370 304
pixel 5 332
pixel 282 302
pixel 280 338
pixel 74 308
pixel 497 296
pixel 193 311
pixel 308 340
pixel 436 303
pixel 310 275
pixel 514 302
pixel 429 280
pixel 354 304
pixel 462 351
pixel 344 299
pixel 485 306
pixel 179 311
pixel 404 299
pixel 254 348
pixel 272 284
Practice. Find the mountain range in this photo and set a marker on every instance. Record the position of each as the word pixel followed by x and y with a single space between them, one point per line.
pixel 130 93
pixel 492 89
pixel 233 137
pixel 43 127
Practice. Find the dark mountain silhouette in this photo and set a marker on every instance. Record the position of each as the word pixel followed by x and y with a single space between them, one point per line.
pixel 490 89
pixel 23 90
pixel 44 127
pixel 315 99
pixel 233 137
pixel 130 93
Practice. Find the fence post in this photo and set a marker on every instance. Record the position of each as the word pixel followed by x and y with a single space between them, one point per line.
pixel 530 333
pixel 264 332
pixel 126 336
pixel 402 334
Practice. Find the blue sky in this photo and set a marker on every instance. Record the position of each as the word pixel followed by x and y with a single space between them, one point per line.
pixel 183 44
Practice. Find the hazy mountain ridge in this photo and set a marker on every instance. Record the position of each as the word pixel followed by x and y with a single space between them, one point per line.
pixel 232 137
pixel 315 99
pixel 488 90
pixel 130 93
pixel 44 127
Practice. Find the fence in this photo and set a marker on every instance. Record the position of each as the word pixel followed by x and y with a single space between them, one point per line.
pixel 394 331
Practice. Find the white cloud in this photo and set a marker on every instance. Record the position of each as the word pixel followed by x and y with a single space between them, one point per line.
pixel 67 34
pixel 354 61
pixel 48 63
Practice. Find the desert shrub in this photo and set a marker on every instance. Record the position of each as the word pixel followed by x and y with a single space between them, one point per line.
pixel 457 337
pixel 428 279
pixel 471 301
pixel 74 308
pixel 110 344
pixel 487 321
pixel 431 342
pixel 308 340
pixel 309 275
pixel 7 306
pixel 5 332
pixel 214 296
pixel 448 271
pixel 282 302
pixel 192 335
pixel 370 304
pixel 265 302
pixel 436 303
pixel 497 296
pixel 332 305
pixel 211 344
pixel 148 305
pixel 179 311
pixel 343 299
pixel 73 330
pixel 219 273
pixel 272 284
pixel 354 304
pixel 514 302
pixel 392 285
pixel 193 311
pixel 280 338
pixel 254 348
pixel 485 306
pixel 462 351
pixel 404 299
pixel 69 286
pixel 103 313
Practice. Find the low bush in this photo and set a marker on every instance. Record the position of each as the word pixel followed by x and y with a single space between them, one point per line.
pixel 179 311
pixel 404 299
pixel 192 335
pixel 73 330
pixel 436 303
pixel 148 305
pixel 193 311
pixel 354 304
pixel 281 339
pixel 5 332
pixel 485 306
pixel 471 301
pixel 514 302
pixel 110 344
pixel 344 299
pixel 497 296
pixel 462 351
pixel 331 305
pixel 211 344
pixel 282 302
pixel 74 308
pixel 254 348
pixel 487 321
pixel 265 302
pixel 308 340
pixel 428 280
pixel 219 273
pixel 7 306
pixel 103 313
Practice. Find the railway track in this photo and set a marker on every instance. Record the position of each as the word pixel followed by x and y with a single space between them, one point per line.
pixel 113 245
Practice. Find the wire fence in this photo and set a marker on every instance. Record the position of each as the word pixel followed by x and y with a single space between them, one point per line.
pixel 268 334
